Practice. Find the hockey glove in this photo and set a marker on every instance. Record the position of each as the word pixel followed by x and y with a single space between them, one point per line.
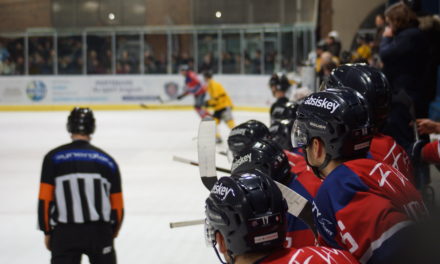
pixel 180 97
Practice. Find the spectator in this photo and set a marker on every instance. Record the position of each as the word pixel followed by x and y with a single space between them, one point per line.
pixel 256 62
pixel 363 52
pixel 380 27
pixel 404 53
pixel 333 45
pixel 207 63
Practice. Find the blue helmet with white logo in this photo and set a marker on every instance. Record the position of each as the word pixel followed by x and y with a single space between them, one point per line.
pixel 284 111
pixel 243 136
pixel 339 118
pixel 265 155
pixel 249 211
pixel 368 81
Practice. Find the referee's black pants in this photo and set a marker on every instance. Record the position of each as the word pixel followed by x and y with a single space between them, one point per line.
pixel 69 241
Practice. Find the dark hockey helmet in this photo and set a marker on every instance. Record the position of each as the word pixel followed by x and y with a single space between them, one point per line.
pixel 81 121
pixel 265 155
pixel 245 134
pixel 249 211
pixel 284 111
pixel 279 81
pixel 340 118
pixel 281 131
pixel 368 81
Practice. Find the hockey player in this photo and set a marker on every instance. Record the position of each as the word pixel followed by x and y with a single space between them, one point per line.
pixel 244 135
pixel 283 111
pixel 268 156
pixel 220 102
pixel 246 218
pixel 80 207
pixel 363 206
pixel 373 85
pixel 195 87
pixel 279 85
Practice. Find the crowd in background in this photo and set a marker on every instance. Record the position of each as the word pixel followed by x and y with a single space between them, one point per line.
pixel 99 57
pixel 405 46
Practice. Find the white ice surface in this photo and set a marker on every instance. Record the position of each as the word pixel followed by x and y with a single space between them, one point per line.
pixel 156 189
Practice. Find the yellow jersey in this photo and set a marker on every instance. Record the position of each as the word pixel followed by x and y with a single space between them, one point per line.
pixel 219 99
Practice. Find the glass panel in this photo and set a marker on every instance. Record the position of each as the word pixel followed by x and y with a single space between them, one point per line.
pixel 41 55
pixel 99 54
pixel 299 48
pixel 286 51
pixel 12 56
pixel 231 55
pixel 208 52
pixel 183 49
pixel 271 53
pixel 155 53
pixel 127 54
pixel 252 53
pixel 70 58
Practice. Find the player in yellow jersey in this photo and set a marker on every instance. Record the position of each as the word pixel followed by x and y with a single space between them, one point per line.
pixel 220 102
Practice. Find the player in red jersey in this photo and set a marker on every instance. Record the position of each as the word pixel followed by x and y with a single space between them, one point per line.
pixel 246 218
pixel 280 132
pixel 373 85
pixel 363 206
pixel 194 86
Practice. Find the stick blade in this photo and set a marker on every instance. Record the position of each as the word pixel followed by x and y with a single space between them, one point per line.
pixel 206 152
pixel 209 181
pixel 295 201
pixel 298 206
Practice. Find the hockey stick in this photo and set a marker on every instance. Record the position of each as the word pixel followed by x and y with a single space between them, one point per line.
pixel 158 98
pixel 187 223
pixel 194 163
pixel 206 152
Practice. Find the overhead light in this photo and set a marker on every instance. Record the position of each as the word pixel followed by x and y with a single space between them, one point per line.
pixel 139 9
pixel 56 7
pixel 91 5
pixel 218 14
pixel 111 16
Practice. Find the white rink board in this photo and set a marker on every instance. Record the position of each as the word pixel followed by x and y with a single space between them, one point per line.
pixel 245 90
pixel 156 189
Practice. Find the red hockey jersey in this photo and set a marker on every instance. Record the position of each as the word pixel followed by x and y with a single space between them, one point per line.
pixel 193 85
pixel 361 207
pixel 309 255
pixel 431 153
pixel 385 149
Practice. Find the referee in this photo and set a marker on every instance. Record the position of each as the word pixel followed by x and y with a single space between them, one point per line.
pixel 80 206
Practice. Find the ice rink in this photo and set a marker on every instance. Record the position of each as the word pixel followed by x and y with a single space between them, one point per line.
pixel 156 189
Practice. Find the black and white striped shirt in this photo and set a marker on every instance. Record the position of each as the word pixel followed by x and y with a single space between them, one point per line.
pixel 79 183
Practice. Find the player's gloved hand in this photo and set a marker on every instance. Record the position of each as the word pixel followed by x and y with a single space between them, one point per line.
pixel 416 151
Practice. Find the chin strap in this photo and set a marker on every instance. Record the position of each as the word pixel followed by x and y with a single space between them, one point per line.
pixel 317 170
pixel 218 254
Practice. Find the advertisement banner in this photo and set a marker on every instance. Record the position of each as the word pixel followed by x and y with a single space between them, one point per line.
pixel 245 90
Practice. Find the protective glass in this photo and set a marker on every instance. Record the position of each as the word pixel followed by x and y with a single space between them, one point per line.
pixel 299 135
